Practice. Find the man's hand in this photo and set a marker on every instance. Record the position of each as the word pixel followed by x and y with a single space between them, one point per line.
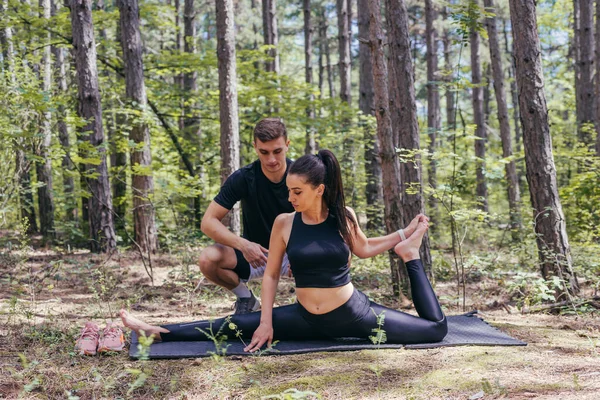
pixel 263 334
pixel 255 254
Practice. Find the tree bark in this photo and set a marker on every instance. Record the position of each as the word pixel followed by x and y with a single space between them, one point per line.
pixel 270 34
pixel 478 116
pixel 63 131
pixel 586 111
pixel 118 158
pixel 44 166
pixel 310 146
pixel 449 93
pixel 374 188
pixel 548 217
pixel 191 123
pixel 597 79
pixel 142 182
pixel 344 51
pixel 433 105
pixel 228 101
pixel 102 232
pixel 403 114
pixel 389 161
pixel 510 168
pixel 325 41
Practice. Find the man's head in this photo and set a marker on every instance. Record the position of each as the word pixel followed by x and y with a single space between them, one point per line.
pixel 271 144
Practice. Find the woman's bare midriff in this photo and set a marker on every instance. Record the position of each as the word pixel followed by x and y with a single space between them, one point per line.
pixel 324 300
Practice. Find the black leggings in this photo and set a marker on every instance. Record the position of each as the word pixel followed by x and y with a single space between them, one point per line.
pixel 355 318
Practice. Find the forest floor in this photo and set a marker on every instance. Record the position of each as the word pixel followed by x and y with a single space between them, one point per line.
pixel 46 297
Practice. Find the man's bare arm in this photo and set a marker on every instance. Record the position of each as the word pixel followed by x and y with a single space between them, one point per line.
pixel 213 228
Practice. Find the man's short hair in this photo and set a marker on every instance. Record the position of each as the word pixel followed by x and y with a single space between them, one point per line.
pixel 269 129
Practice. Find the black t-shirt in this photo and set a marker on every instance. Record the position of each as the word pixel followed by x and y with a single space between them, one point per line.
pixel 262 200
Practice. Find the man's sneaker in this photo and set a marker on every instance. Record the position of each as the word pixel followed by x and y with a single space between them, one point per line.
pixel 246 305
pixel 88 340
pixel 112 339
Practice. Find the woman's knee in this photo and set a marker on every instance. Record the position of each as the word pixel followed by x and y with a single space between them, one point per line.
pixel 440 330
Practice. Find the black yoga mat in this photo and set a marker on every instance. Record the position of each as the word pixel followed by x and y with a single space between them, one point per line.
pixel 463 330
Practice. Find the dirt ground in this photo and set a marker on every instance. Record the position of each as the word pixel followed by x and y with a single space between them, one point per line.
pixel 46 297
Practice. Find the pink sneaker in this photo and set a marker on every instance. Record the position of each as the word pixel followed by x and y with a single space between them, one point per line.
pixel 88 340
pixel 112 339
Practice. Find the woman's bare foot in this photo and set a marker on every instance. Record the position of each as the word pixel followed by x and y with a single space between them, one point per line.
pixel 137 325
pixel 410 228
pixel 409 249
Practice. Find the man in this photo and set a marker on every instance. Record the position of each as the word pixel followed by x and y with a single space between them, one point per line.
pixel 261 188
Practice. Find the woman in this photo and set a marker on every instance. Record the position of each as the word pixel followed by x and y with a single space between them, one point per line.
pixel 319 238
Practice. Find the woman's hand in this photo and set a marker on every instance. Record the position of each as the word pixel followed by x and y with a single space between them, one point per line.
pixel 262 334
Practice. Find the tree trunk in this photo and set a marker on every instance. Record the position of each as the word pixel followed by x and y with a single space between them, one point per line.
pixel 191 123
pixel 597 43
pixel 478 116
pixel 374 188
pixel 63 131
pixel 433 105
pixel 389 161
pixel 403 113
pixel 548 217
pixel 118 159
pixel 44 166
pixel 515 111
pixel 270 33
pixel 325 40
pixel 310 147
pixel 510 169
pixel 102 232
pixel 487 95
pixel 344 51
pixel 585 105
pixel 142 182
pixel 450 94
pixel 22 166
pixel 228 101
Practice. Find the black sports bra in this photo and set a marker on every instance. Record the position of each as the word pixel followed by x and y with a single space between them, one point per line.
pixel 318 254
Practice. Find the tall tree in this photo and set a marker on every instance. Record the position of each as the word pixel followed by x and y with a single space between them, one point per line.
pixel 390 166
pixel 228 101
pixel 433 102
pixel 142 182
pixel 344 51
pixel 324 41
pixel 118 157
pixel 403 113
pixel 510 168
pixel 449 93
pixel 102 232
pixel 191 122
pixel 22 165
pixel 310 146
pixel 597 77
pixel 44 165
pixel 478 114
pixel 270 33
pixel 548 217
pixel 63 131
pixel 374 188
pixel 585 106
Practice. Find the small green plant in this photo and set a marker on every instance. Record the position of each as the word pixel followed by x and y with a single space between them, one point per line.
pixel 378 339
pixel 219 339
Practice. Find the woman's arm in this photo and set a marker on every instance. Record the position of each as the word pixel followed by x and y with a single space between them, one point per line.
pixel 264 332
pixel 365 247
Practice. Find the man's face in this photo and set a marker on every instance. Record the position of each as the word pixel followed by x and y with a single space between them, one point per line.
pixel 272 154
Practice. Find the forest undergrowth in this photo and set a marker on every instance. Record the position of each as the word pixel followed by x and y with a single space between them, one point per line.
pixel 47 296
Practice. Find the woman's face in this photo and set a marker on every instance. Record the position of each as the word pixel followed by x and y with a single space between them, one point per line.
pixel 303 195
